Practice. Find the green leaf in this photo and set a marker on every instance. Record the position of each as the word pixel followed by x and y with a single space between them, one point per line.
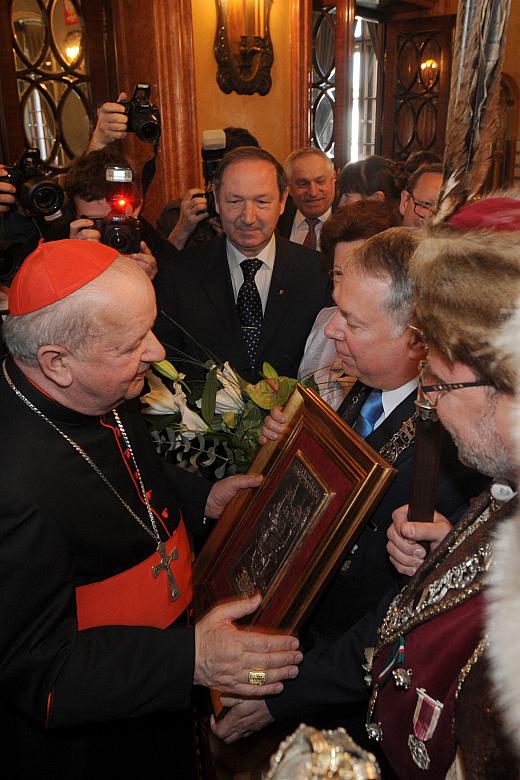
pixel 268 371
pixel 209 395
pixel 229 419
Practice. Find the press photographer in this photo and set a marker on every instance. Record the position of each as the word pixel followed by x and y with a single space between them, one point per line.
pixel 105 191
pixel 31 208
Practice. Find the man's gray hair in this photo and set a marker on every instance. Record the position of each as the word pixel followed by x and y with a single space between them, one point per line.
pixel 389 254
pixel 305 151
pixel 73 322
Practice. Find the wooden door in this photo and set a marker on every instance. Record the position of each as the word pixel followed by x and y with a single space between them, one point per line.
pixel 417 68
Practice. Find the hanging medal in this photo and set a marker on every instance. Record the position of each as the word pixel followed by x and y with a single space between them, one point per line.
pixel 425 719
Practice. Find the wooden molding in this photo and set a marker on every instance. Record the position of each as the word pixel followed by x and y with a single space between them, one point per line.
pixel 345 21
pixel 167 64
pixel 301 64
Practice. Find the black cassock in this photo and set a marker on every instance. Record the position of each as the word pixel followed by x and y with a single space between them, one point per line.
pixel 99 702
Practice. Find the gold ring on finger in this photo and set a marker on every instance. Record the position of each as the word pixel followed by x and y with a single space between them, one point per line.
pixel 257 677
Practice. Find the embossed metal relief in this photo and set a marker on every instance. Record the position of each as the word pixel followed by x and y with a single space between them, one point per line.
pixel 243 46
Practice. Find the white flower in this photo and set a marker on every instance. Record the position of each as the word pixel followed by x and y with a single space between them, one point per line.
pixel 192 423
pixel 160 400
pixel 229 398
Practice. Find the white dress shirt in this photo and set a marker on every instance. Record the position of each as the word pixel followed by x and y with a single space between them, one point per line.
pixel 262 276
pixel 300 227
pixel 392 398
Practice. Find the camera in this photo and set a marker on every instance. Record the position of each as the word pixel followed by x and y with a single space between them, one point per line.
pixel 120 232
pixel 210 199
pixel 213 150
pixel 144 119
pixel 36 191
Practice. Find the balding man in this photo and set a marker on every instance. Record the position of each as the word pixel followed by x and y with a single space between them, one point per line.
pixel 420 197
pixel 94 554
pixel 312 189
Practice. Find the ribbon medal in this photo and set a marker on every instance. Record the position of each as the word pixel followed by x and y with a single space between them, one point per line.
pixel 425 719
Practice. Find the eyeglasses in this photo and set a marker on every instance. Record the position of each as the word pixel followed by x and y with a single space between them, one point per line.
pixel 443 387
pixel 423 208
pixel 335 274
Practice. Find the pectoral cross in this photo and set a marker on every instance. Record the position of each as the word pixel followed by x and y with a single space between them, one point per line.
pixel 165 564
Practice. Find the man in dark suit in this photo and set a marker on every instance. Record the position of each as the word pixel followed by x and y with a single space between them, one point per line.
pixel 312 189
pixel 248 296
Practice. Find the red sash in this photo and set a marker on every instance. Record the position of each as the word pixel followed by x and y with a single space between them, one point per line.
pixel 135 597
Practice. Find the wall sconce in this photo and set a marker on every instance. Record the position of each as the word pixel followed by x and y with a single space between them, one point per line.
pixel 243 47
pixel 429 72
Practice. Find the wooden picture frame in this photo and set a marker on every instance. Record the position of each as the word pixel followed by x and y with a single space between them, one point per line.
pixel 287 537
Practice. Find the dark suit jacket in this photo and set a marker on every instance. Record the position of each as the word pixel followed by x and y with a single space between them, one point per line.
pixel 367 574
pixel 346 616
pixel 196 291
pixel 285 223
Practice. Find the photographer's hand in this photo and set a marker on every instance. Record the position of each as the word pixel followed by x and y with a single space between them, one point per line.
pixel 193 210
pixel 111 124
pixel 216 224
pixel 145 260
pixel 84 228
pixel 7 193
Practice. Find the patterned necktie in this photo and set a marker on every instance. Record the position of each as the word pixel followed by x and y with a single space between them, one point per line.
pixel 370 413
pixel 310 239
pixel 249 308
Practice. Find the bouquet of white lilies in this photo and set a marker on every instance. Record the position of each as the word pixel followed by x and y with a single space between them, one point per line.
pixel 218 431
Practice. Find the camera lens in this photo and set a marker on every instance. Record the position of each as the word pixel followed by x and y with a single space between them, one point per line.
pixel 47 198
pixel 119 237
pixel 147 126
pixel 41 196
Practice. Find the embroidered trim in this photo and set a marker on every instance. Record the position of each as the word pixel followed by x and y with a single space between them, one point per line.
pixel 470 663
pixel 459 577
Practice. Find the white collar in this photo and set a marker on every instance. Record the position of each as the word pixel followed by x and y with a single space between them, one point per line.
pixel 267 255
pixel 392 398
pixel 299 219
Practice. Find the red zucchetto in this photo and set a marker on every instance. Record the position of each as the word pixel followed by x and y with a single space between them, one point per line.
pixel 56 269
pixel 489 213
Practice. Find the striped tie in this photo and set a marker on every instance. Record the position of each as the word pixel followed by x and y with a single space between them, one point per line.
pixel 310 239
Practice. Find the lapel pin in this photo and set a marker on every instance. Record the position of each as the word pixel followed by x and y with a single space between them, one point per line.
pixel 281 292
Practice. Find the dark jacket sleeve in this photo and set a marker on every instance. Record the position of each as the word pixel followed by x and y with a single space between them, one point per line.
pixel 332 672
pixel 57 674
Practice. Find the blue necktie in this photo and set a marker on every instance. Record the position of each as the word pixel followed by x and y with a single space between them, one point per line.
pixel 370 413
pixel 249 308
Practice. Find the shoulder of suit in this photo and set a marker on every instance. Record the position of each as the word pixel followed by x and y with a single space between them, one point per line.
pixel 194 259
pixel 299 252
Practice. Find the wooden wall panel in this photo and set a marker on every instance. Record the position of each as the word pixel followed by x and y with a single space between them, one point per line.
pixel 154 44
pixel 301 61
pixel 345 21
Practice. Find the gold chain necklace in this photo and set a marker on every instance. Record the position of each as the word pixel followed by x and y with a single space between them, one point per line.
pixel 153 532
